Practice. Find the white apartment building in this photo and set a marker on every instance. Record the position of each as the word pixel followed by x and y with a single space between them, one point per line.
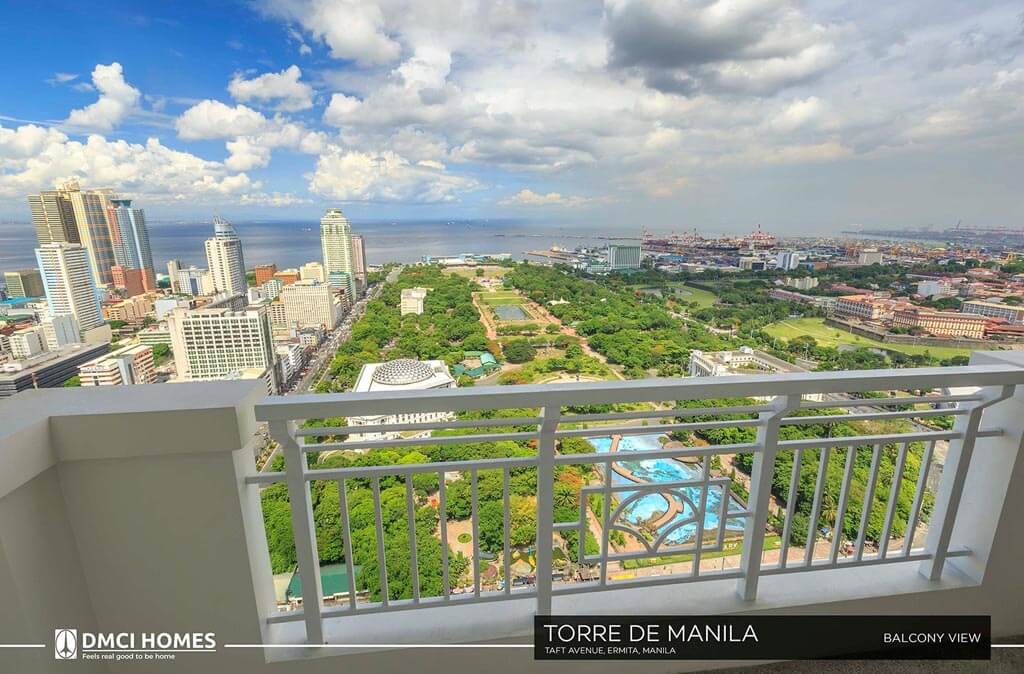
pixel 124 367
pixel 624 257
pixel 313 271
pixel 68 281
pixel 745 361
pixel 787 260
pixel 802 283
pixel 27 342
pixel 225 259
pixel 403 374
pixel 291 356
pixel 870 256
pixel 412 300
pixel 310 304
pixel 935 288
pixel 1014 314
pixel 271 289
pixel 195 281
pixel 336 242
pixel 60 331
pixel 211 343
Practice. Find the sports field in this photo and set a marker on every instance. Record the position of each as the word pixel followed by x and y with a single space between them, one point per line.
pixel 828 336
pixel 690 294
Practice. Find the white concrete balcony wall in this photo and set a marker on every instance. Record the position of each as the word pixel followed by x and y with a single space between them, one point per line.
pixel 127 509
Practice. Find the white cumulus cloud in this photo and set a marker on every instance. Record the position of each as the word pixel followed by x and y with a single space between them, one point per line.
pixel 284 87
pixel 361 176
pixel 117 100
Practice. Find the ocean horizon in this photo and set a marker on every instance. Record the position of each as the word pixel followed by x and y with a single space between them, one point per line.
pixel 291 243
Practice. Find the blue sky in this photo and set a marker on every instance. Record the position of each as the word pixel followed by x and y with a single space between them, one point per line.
pixel 715 114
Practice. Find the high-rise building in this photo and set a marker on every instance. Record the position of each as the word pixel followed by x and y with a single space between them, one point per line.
pixel 359 259
pixel 624 257
pixel 336 241
pixel 224 255
pixel 131 239
pixel 53 217
pixel 313 271
pixel 124 367
pixel 173 267
pixel 787 260
pixel 310 304
pixel 68 282
pixel 24 283
pixel 264 272
pixel 91 209
pixel 214 343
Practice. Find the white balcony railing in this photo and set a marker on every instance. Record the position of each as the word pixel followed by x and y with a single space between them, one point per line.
pixel 701 506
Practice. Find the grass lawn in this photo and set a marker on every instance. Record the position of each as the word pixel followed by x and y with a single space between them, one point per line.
pixel 496 301
pixel 829 336
pixel 701 297
pixel 502 297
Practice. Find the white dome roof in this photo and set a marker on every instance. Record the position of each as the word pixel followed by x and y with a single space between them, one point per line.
pixel 402 371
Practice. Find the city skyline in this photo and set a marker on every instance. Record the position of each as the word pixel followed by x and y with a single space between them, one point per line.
pixel 800 117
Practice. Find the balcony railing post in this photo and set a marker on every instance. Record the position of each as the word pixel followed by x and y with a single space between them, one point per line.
pixel 302 526
pixel 760 493
pixel 545 504
pixel 954 475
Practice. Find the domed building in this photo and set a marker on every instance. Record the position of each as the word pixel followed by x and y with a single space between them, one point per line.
pixel 401 374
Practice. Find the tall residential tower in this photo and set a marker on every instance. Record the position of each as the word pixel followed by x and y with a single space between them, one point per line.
pixel 68 282
pixel 131 240
pixel 225 260
pixel 336 241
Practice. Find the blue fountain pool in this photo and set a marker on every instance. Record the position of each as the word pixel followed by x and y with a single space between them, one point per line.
pixel 665 470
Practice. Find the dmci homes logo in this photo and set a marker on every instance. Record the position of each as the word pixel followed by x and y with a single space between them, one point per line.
pixel 70 644
pixel 65 644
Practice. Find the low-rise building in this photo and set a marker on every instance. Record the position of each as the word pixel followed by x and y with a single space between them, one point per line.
pixel 403 374
pixel 47 370
pixel 745 361
pixel 867 307
pixel 124 367
pixel 412 300
pixel 941 323
pixel 1012 313
pixel 802 283
pixel 28 342
pixel 935 288
pixel 60 331
pixel 291 356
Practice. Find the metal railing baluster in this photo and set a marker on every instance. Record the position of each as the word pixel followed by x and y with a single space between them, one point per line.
pixel 787 526
pixel 414 568
pixel 303 528
pixel 760 494
pixel 869 500
pixel 346 532
pixel 382 565
pixel 919 491
pixel 545 505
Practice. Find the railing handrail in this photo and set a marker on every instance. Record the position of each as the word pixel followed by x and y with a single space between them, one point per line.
pixel 303 406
